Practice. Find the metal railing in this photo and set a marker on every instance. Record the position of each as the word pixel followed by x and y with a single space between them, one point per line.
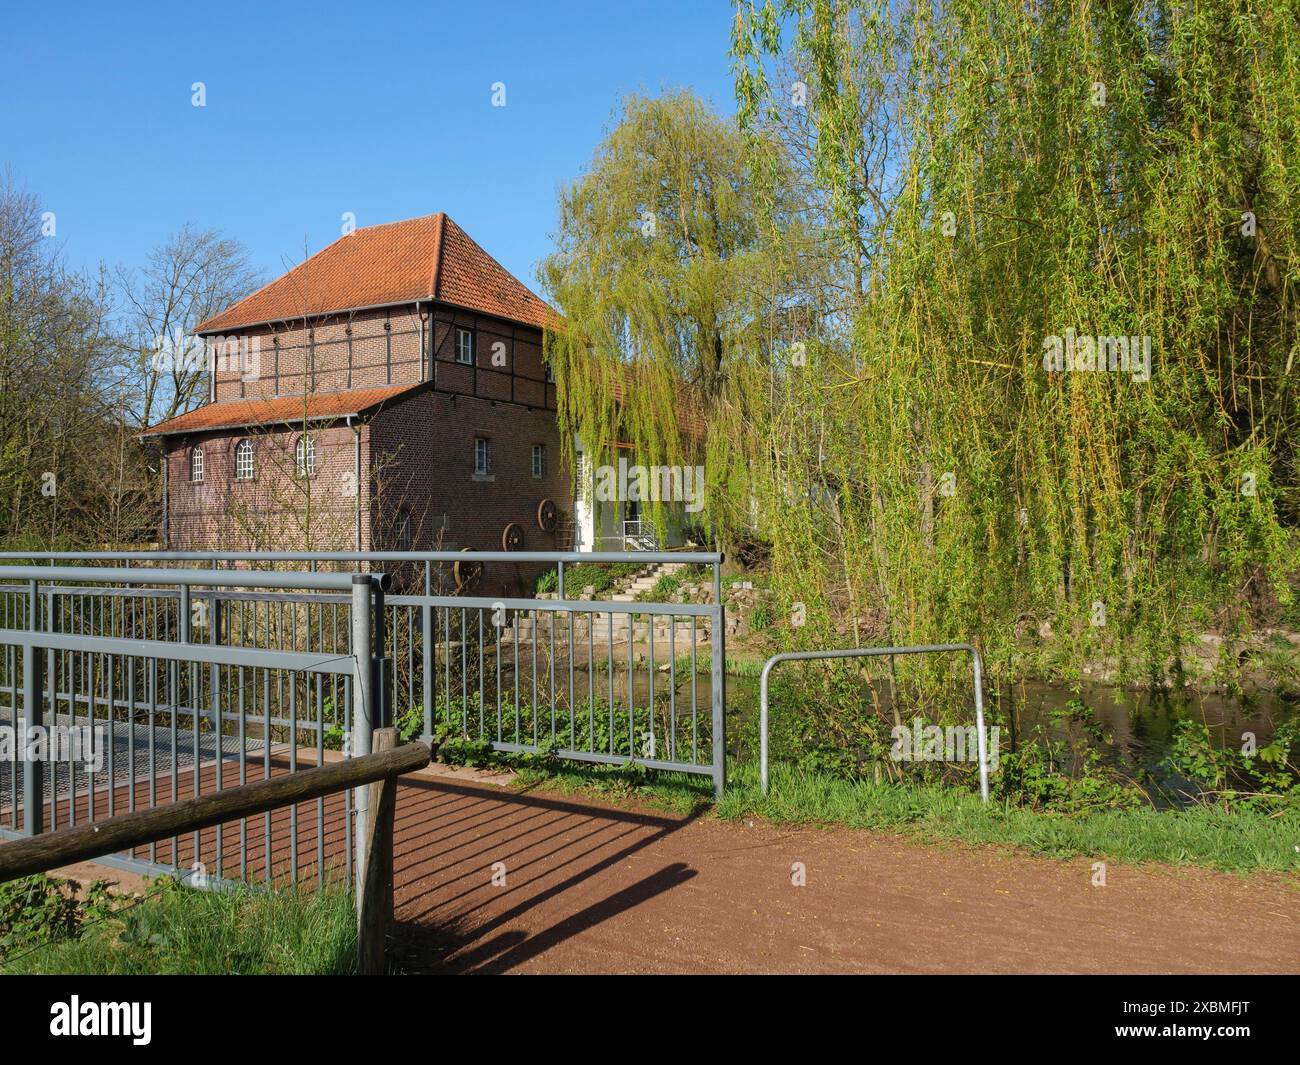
pixel 873 652
pixel 172 663
pixel 144 715
pixel 640 536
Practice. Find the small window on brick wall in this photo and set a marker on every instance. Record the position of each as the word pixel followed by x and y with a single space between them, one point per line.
pixel 465 346
pixel 196 464
pixel 539 461
pixel 244 460
pixel 304 453
pixel 482 457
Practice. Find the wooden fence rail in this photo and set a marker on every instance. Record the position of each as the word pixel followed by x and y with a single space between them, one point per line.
pixel 374 881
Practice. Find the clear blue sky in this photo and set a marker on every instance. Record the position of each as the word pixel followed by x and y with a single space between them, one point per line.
pixel 314 109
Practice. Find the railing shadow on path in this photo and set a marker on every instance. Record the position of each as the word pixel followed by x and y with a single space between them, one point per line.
pixel 550 846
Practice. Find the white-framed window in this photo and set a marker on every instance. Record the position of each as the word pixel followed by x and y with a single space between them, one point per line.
pixel 482 456
pixel 304 456
pixel 465 346
pixel 402 531
pixel 196 463
pixel 244 460
pixel 539 461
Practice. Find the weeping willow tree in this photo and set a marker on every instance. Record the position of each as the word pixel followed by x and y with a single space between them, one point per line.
pixel 1067 187
pixel 672 290
pixel 992 318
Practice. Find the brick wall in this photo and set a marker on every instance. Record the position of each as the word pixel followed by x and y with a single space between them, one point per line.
pixel 507 359
pixel 363 350
pixel 418 453
pixel 422 456
pixel 276 509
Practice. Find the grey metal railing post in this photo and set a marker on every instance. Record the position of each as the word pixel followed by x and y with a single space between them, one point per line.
pixel 362 714
pixel 52 617
pixel 977 669
pixel 427 639
pixel 215 636
pixel 719 689
pixel 33 768
pixel 183 622
pixel 379 658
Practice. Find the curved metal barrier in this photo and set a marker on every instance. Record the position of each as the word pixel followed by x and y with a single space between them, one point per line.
pixel 875 652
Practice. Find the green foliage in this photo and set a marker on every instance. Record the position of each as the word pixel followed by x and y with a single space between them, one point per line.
pixel 466 727
pixel 858 292
pixel 968 487
pixel 1232 776
pixel 600 576
pixel 666 282
pixel 176 930
pixel 1035 777
pixel 664 589
pixel 40 909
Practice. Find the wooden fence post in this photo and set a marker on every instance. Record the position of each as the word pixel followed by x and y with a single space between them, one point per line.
pixel 375 892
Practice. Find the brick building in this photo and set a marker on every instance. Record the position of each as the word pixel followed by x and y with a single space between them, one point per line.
pixel 389 393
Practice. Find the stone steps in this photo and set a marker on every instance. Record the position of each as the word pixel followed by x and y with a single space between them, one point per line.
pixel 522 626
pixel 644 582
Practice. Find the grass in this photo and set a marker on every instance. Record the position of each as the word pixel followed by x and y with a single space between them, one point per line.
pixel 746 667
pixel 682 794
pixel 601 576
pixel 179 931
pixel 1243 841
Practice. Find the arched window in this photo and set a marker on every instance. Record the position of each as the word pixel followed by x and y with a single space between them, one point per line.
pixel 304 454
pixel 196 463
pixel 244 460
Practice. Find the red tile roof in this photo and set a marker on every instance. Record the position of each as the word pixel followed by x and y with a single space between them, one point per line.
pixel 283 410
pixel 398 262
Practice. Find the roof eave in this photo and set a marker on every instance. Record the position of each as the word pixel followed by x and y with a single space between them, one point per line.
pixel 332 416
pixel 413 301
pixel 205 329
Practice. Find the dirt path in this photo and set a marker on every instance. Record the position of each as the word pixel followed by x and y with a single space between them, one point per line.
pixel 593 888
pixel 590 888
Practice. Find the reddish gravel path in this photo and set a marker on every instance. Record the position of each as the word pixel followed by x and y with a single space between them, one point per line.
pixel 592 888
pixel 589 888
